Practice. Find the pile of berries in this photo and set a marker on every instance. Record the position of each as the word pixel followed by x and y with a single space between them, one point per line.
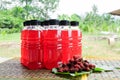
pixel 76 64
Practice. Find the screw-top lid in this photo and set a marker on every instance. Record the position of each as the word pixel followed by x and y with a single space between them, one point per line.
pixel 53 22
pixel 26 23
pixel 74 23
pixel 39 22
pixel 46 23
pixel 34 22
pixel 42 23
pixel 64 22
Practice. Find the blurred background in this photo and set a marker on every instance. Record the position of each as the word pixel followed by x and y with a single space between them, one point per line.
pixel 97 24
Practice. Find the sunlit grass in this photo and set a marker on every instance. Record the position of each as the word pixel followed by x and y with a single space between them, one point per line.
pixel 14 37
pixel 100 48
pixel 91 47
pixel 10 45
pixel 9 52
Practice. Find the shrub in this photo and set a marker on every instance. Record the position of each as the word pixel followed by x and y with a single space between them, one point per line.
pixel 10 24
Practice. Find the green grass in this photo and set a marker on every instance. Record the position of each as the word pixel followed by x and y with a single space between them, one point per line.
pixel 99 48
pixel 15 37
pixel 10 46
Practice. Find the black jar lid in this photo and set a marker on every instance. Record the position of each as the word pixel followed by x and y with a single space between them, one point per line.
pixel 74 23
pixel 39 22
pixel 34 22
pixel 64 23
pixel 46 23
pixel 26 23
pixel 53 22
pixel 42 23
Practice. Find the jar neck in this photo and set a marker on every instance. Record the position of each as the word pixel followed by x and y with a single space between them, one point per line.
pixel 40 28
pixel 45 27
pixel 53 27
pixel 33 27
pixel 75 28
pixel 64 27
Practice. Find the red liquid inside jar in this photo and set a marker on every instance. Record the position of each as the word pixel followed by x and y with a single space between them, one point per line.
pixel 52 53
pixel 66 49
pixel 77 45
pixel 31 54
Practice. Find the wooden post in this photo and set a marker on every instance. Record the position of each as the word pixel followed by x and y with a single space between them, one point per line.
pixel 111 40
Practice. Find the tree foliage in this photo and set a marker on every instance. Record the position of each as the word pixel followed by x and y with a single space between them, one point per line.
pixel 49 7
pixel 40 9
pixel 9 24
pixel 12 18
pixel 4 4
pixel 93 22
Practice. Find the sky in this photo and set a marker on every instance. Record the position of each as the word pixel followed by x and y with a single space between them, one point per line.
pixel 82 6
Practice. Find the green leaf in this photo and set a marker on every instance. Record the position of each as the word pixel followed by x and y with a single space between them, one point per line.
pixel 54 70
pixel 103 69
pixel 98 69
pixel 107 68
pixel 117 68
pixel 65 73
pixel 80 73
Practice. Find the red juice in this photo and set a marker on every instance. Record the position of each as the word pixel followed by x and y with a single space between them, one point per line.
pixel 24 40
pixel 76 39
pixel 44 25
pixel 65 40
pixel 51 48
pixel 66 49
pixel 31 49
pixel 77 45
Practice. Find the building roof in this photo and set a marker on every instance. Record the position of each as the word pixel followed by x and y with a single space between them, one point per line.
pixel 115 12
